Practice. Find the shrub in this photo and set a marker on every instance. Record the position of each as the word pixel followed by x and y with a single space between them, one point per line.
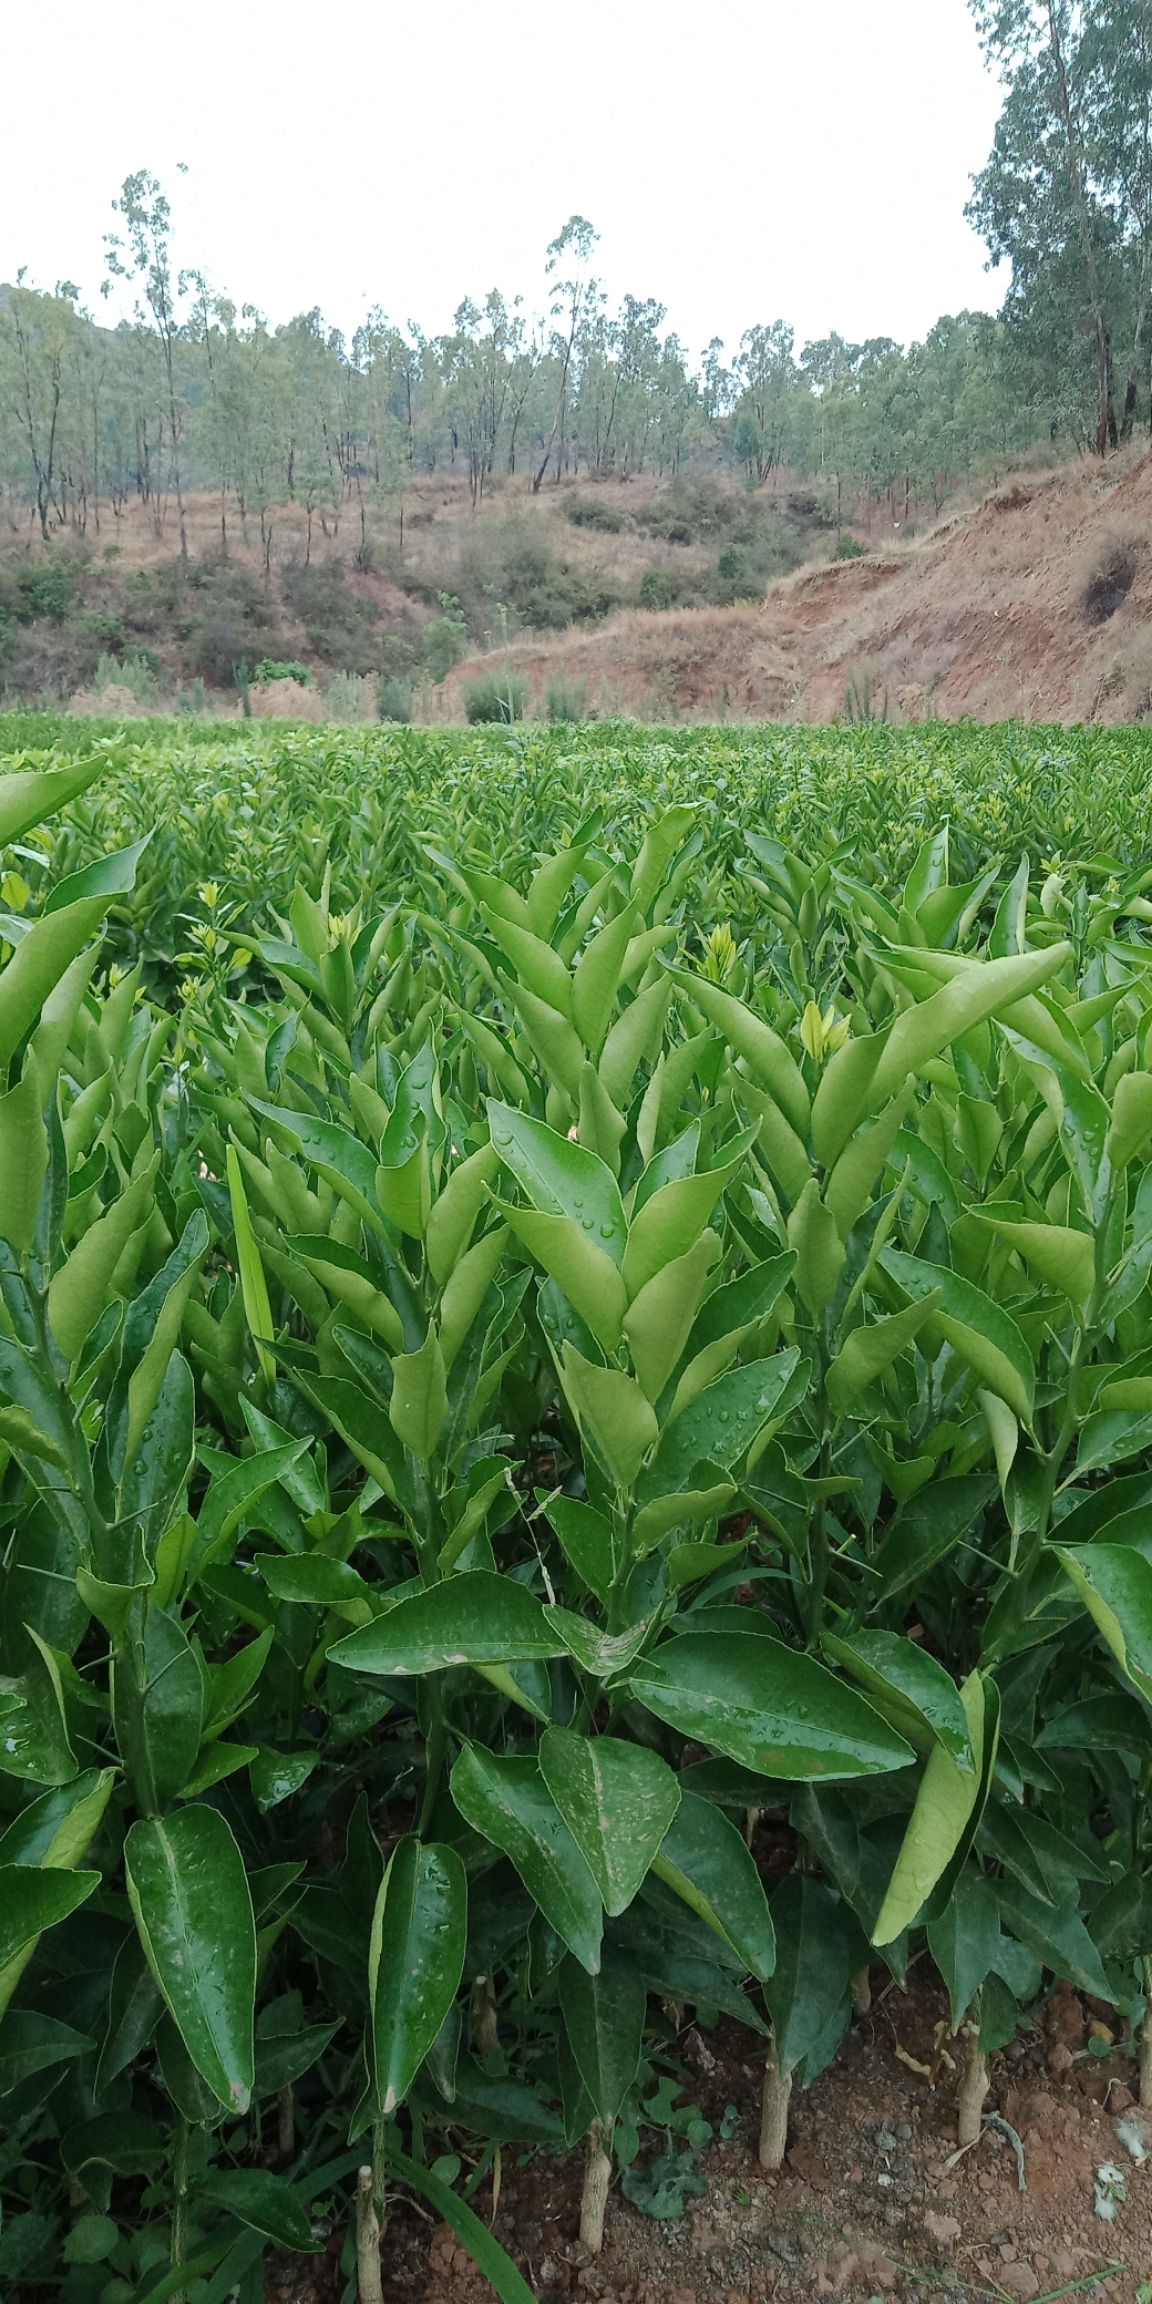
pixel 350 696
pixel 192 701
pixel 494 696
pixel 847 548
pixel 48 589
pixel 272 669
pixel 393 700
pixel 135 672
pixel 339 622
pixel 1109 568
pixel 567 700
pixel 588 512
pixel 656 589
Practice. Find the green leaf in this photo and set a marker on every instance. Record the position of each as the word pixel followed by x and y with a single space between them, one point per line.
pixel 672 1219
pixel 158 1710
pixel 980 1331
pixel 508 1803
pixel 266 2203
pixel 911 1688
pixel 415 1962
pixel 23 1155
pixel 659 1321
pixel 561 1178
pixel 109 876
pixel 766 1706
pixel 964 1941
pixel 617 1800
pixel 30 2042
pixel 1115 1583
pixel 945 1802
pixel 604 2019
pixel 706 1860
pixel 1059 1938
pixel 253 1285
pixel 815 1939
pixel 611 1408
pixel 32 1899
pixel 928 1527
pixel 28 795
pixel 814 1237
pixel 983 988
pixel 587 1539
pixel 40 960
pixel 720 1424
pixel 193 1911
pixel 869 1352
pixel 1060 1255
pixel 578 1265
pixel 311 1578
pixel 473 1618
pixel 420 1397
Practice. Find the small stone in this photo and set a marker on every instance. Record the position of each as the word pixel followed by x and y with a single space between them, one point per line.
pixel 942 2228
pixel 904 2131
pixel 1020 2280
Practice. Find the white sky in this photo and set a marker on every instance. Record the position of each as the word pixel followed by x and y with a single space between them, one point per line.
pixel 742 161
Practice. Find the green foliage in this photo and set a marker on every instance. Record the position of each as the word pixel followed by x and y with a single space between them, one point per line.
pixel 567 700
pixel 494 696
pixel 589 512
pixel 500 1380
pixel 393 699
pixel 271 669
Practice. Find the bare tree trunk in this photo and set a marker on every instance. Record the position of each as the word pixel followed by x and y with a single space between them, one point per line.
pixel 597 2178
pixel 369 2284
pixel 973 2085
pixel 774 2111
pixel 1146 2041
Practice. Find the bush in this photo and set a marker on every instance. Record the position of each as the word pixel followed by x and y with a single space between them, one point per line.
pixel 1109 568
pixel 393 700
pixel 134 672
pixel 349 696
pixel 494 696
pixel 690 510
pixel 656 589
pixel 192 701
pixel 339 624
pixel 588 512
pixel 445 639
pixel 514 565
pixel 47 590
pixel 567 700
pixel 273 669
pixel 847 548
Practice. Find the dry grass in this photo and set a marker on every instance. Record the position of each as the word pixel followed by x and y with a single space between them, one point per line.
pixel 1110 561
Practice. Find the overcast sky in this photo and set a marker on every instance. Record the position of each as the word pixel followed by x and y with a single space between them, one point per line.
pixel 742 160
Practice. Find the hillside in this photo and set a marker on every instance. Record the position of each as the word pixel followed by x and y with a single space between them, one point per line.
pixel 692 598
pixel 1034 604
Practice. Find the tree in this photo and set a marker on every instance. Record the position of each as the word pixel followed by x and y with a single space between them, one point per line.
pixel 573 301
pixel 143 255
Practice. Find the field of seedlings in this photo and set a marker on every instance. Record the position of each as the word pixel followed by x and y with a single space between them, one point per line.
pixel 575 1470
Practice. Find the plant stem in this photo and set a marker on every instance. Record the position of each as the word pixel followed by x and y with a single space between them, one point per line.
pixel 597 2178
pixel 286 2123
pixel 1146 2039
pixel 369 2286
pixel 180 2205
pixel 862 1992
pixel 973 2084
pixel 774 2111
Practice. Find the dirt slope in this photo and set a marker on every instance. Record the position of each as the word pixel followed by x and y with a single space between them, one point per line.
pixel 983 617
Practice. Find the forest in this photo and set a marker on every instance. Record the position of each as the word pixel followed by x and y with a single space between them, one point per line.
pixel 197 392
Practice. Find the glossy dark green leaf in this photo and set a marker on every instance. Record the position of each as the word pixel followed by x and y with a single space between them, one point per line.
pixel 415 1961
pixel 267 2203
pixel 472 1618
pixel 706 1860
pixel 604 2020
pixel 617 1800
pixel 508 1803
pixel 192 1907
pixel 32 1899
pixel 766 1706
